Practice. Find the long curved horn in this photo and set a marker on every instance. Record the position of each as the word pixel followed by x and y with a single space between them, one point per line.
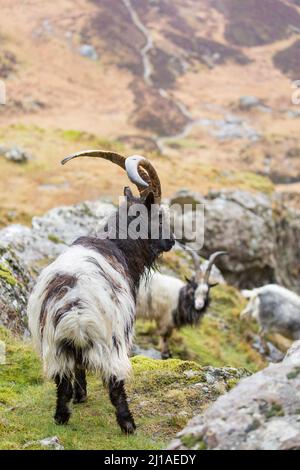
pixel 211 262
pixel 139 170
pixel 195 257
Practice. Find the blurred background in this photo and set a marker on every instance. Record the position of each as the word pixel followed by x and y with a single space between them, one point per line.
pixel 202 86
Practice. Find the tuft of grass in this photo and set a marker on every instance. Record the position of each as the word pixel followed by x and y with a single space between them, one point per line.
pixel 21 368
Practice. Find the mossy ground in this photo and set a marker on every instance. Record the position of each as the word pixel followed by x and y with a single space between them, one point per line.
pixel 163 396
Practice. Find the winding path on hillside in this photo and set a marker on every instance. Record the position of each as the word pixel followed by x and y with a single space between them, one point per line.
pixel 160 141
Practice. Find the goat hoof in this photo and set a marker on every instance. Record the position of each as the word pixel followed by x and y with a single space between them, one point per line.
pixel 79 399
pixel 126 424
pixel 166 355
pixel 62 417
pixel 128 427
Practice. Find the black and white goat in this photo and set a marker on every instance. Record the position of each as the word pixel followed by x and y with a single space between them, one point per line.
pixel 82 309
pixel 173 303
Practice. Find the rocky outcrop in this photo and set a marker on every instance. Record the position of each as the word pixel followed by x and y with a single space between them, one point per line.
pixel 15 282
pixel 25 250
pixel 259 232
pixel 260 413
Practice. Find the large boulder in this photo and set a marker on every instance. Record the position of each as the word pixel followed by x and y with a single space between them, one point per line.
pixel 259 232
pixel 261 412
pixel 25 250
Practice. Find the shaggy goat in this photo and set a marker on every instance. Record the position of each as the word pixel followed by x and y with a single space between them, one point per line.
pixel 173 303
pixel 275 309
pixel 81 311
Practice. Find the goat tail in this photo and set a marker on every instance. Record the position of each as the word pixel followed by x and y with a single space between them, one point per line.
pixel 70 339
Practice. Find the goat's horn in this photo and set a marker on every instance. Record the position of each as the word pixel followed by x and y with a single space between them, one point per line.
pixel 211 262
pixel 139 170
pixel 195 257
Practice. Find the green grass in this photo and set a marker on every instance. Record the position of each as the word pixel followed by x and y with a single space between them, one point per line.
pixel 162 398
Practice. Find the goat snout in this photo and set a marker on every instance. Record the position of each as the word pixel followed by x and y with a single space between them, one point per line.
pixel 199 304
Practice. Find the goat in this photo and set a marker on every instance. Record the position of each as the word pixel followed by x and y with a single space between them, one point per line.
pixel 275 308
pixel 173 303
pixel 82 308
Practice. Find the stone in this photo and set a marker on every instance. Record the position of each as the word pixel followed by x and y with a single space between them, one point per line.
pixel 89 51
pixel 15 154
pixel 260 413
pixel 259 232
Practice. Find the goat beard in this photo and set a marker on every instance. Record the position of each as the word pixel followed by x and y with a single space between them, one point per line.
pixel 186 314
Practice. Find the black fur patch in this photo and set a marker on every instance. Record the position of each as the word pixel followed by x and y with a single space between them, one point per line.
pixel 56 289
pixel 186 314
pixel 116 343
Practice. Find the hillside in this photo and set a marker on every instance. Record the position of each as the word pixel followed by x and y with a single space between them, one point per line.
pixel 152 77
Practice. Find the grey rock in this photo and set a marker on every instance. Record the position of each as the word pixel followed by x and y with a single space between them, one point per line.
pixel 294 113
pixel 89 51
pixel 52 443
pixel 249 102
pixel 259 232
pixel 24 251
pixel 260 413
pixel 14 154
pixel 15 284
pixel 151 352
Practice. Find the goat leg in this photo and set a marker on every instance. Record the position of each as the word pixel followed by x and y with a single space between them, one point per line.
pixel 80 394
pixel 164 345
pixel 64 396
pixel 118 398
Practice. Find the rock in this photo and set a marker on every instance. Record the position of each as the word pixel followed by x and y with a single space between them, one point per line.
pixel 89 51
pixel 260 413
pixel 15 154
pixel 246 103
pixel 150 352
pixel 259 232
pixel 52 443
pixel 249 102
pixel 24 251
pixel 15 284
pixel 293 113
pixel 233 127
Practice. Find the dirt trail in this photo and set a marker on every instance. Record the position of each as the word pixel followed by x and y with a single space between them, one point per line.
pixel 144 51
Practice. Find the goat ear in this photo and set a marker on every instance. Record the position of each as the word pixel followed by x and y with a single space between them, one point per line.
pixel 149 200
pixel 188 280
pixel 128 192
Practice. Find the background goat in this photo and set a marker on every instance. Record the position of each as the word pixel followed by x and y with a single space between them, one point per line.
pixel 81 311
pixel 173 303
pixel 275 308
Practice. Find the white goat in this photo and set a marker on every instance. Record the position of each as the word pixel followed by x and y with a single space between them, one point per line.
pixel 275 308
pixel 173 303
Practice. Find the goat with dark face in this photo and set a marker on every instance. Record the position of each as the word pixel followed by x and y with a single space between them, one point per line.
pixel 173 303
pixel 82 309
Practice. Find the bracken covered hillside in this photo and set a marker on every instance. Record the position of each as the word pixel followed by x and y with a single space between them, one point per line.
pixel 204 83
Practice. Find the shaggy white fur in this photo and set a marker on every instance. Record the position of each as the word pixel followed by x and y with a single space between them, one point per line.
pixel 95 326
pixel 275 308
